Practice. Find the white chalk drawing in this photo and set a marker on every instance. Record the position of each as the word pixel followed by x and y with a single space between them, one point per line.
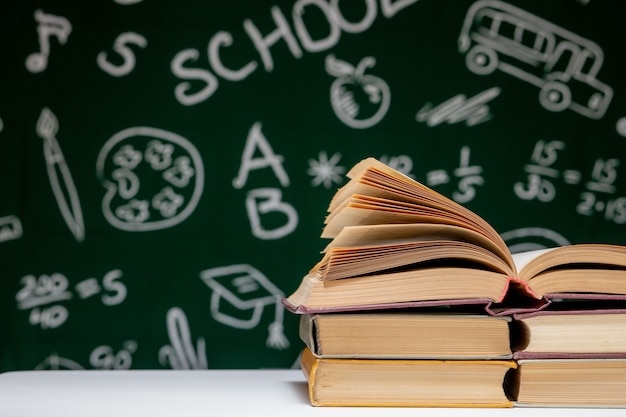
pixel 54 362
pixel 402 163
pixel 597 198
pixel 459 109
pixel 105 358
pixel 541 173
pixel 154 179
pixel 563 65
pixel 469 177
pixel 181 354
pixel 48 25
pixel 59 175
pixel 359 100
pixel 326 171
pixel 10 228
pixel 248 292
pixel 532 238
pixel 127 2
pixel 620 126
pixel 40 295
pixel 265 201
pixel 197 83
pixel 101 358
pixel 1 125
pixel 121 47
pixel 43 295
pixel 256 142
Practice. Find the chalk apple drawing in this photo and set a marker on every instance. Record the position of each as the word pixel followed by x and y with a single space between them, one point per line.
pixel 359 100
pixel 154 179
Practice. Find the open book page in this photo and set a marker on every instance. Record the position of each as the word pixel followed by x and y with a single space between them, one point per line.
pixel 522 259
pixel 378 194
pixel 579 270
pixel 359 250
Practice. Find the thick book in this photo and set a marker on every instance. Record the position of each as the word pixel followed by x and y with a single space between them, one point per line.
pixel 406 383
pixel 397 243
pixel 407 335
pixel 568 334
pixel 569 383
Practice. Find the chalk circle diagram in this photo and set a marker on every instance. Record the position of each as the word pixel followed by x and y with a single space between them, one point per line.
pixel 359 100
pixel 532 238
pixel 154 179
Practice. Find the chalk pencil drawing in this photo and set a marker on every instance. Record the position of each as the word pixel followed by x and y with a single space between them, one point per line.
pixel 359 100
pixel 181 353
pixel 472 111
pixel 48 25
pixel 154 179
pixel 241 288
pixel 562 64
pixel 59 175
pixel 10 228
pixel 326 171
pixel 121 47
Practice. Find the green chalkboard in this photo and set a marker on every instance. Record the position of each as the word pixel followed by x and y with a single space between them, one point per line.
pixel 165 166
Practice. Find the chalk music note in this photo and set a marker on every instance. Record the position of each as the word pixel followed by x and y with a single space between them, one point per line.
pixel 59 175
pixel 49 25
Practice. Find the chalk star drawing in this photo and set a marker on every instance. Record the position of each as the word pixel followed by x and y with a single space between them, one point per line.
pixel 326 171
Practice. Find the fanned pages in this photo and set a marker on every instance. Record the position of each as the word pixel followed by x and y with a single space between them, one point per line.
pixel 396 243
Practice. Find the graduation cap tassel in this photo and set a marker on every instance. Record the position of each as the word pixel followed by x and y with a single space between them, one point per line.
pixel 276 338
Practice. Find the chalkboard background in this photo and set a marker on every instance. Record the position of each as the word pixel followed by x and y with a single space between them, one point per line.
pixel 166 165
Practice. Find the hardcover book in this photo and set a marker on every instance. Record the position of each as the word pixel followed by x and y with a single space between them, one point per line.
pixel 406 383
pixel 396 243
pixel 406 335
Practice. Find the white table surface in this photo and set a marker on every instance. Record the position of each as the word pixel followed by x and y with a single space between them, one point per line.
pixel 215 393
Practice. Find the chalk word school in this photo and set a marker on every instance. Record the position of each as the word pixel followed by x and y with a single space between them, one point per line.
pixel 182 63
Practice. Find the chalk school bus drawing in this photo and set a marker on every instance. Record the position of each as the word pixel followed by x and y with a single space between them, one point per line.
pixel 563 65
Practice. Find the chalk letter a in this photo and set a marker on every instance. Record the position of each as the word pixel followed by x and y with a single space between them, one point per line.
pixel 255 141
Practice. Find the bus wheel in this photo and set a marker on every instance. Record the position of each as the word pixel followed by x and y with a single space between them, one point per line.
pixel 481 60
pixel 555 96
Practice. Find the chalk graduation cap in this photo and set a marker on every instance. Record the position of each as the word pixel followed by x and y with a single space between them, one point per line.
pixel 242 290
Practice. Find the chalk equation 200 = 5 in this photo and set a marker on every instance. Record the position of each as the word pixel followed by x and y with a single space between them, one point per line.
pixel 46 295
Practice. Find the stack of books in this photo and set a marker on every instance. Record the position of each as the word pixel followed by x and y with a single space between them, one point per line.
pixel 417 301
pixel 571 357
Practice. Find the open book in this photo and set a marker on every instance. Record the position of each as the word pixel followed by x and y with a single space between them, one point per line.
pixel 397 243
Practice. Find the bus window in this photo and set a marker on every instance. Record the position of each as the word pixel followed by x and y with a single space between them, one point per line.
pixel 486 20
pixel 586 63
pixel 507 29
